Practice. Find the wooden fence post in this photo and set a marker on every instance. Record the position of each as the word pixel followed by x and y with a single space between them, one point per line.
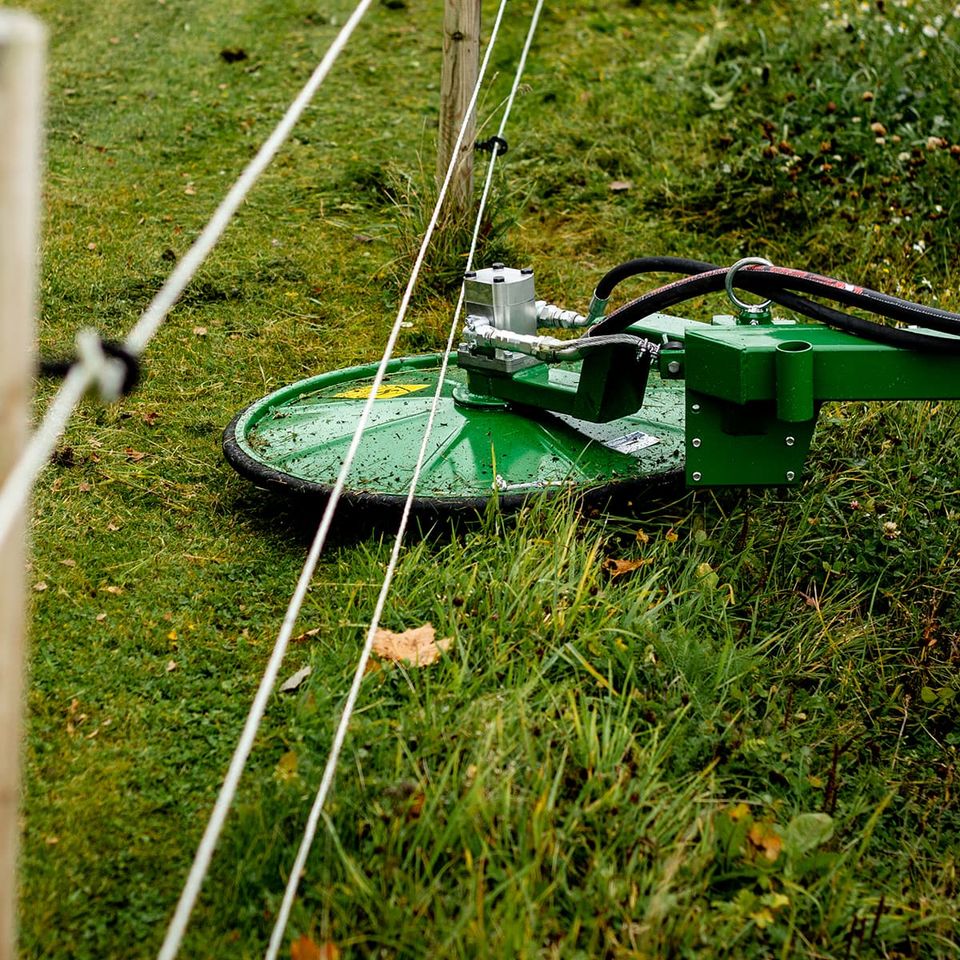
pixel 21 102
pixel 461 65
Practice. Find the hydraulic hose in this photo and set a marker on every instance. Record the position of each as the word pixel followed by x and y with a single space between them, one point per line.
pixel 777 284
pixel 648 265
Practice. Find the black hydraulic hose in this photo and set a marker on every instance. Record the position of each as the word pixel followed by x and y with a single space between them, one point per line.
pixel 867 329
pixel 773 282
pixel 882 304
pixel 648 265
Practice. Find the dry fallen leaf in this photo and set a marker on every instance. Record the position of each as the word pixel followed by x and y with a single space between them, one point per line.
pixel 134 456
pixel 287 766
pixel 617 568
pixel 74 717
pixel 292 682
pixel 171 666
pixel 306 635
pixel 765 840
pixel 416 806
pixel 620 186
pixel 417 647
pixel 41 586
pixel 303 948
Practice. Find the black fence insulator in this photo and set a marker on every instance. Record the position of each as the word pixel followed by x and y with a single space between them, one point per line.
pixel 497 144
pixel 58 369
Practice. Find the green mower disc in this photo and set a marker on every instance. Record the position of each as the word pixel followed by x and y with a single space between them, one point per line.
pixel 294 442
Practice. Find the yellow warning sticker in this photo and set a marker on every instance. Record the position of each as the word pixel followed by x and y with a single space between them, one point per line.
pixel 387 391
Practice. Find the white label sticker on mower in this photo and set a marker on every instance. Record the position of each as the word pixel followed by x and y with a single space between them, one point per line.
pixel 632 442
pixel 387 391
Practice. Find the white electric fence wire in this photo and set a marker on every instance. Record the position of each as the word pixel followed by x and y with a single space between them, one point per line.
pixel 326 782
pixel 19 484
pixel 138 339
pixel 228 790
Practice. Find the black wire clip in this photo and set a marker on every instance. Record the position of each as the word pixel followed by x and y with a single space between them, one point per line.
pixel 494 145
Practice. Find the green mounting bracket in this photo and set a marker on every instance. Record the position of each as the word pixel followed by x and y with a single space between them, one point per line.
pixel 753 390
pixel 753 394
pixel 611 384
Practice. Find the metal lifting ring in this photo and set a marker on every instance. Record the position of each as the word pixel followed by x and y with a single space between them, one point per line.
pixel 734 299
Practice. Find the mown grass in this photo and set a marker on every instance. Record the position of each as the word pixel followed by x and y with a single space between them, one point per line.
pixel 747 748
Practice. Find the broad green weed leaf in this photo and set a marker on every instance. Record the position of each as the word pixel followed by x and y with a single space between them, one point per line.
pixel 806 832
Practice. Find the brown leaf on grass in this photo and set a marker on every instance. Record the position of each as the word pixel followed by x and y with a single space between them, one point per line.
pixel 765 840
pixel 303 948
pixel 134 456
pixel 287 766
pixel 620 186
pixel 617 568
pixel 306 635
pixel 74 716
pixel 415 807
pixel 151 417
pixel 417 647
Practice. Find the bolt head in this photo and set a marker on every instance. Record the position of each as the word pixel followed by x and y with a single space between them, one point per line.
pixel 498 266
pixel 790 441
pixel 696 441
pixel 791 476
pixel 673 366
pixel 696 475
pixel 696 408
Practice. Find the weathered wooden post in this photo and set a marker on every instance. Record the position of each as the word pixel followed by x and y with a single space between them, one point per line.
pixel 21 100
pixel 461 64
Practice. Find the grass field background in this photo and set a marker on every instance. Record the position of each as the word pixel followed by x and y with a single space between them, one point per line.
pixel 746 748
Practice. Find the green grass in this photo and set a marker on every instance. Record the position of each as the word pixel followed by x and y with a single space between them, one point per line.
pixel 748 748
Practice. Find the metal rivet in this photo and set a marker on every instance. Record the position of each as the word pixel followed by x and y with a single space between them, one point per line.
pixel 790 441
pixel 696 441
pixel 673 367
pixel 499 280
pixel 498 266
pixel 470 275
pixel 697 475
pixel 790 476
pixel 696 408
pixel 526 271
